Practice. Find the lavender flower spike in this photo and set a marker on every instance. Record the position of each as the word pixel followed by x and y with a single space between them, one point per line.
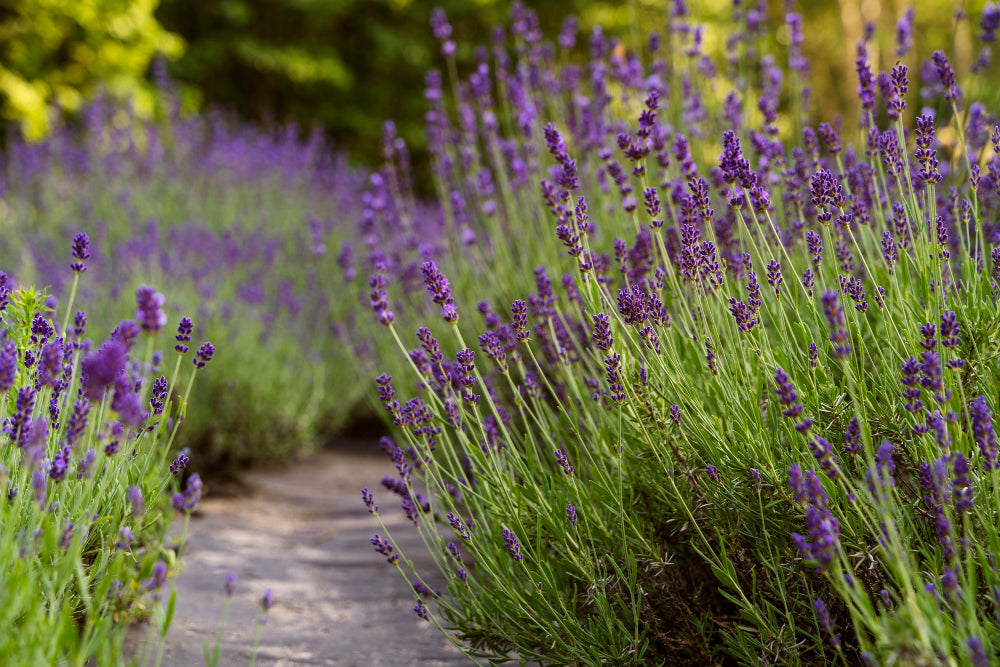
pixel 512 545
pixel 81 252
pixel 440 290
pixel 183 336
pixel 982 431
pixel 204 355
pixel 148 309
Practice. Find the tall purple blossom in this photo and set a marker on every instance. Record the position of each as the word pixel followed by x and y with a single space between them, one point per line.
pixel 835 319
pixel 952 92
pixel 983 433
pixel 100 369
pixel 512 545
pixel 821 544
pixel 440 290
pixel 81 252
pixel 149 311
pixel 184 330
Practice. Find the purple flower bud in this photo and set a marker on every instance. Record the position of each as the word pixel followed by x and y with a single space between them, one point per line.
pixel 230 585
pixel 135 499
pixel 983 433
pixel 826 622
pixel 786 394
pixel 148 311
pixel 183 336
pixel 125 539
pixel 835 318
pixel 564 462
pixel 179 464
pixel 602 332
pixel 81 252
pixel 267 600
pixel 977 653
pixel 204 355
pixel 158 578
pixel 519 320
pixel 571 515
pixel 460 528
pixel 961 483
pixel 947 75
pixel 188 500
pixel 369 500
pixel 904 33
pixel 512 545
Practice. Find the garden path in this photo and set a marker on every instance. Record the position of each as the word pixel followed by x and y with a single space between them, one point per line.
pixel 302 530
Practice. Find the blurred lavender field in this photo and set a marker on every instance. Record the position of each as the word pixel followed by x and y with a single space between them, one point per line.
pixel 251 230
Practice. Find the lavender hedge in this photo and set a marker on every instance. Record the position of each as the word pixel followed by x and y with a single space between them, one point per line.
pixel 89 480
pixel 242 225
pixel 752 421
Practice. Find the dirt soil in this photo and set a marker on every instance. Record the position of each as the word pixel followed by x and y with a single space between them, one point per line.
pixel 302 530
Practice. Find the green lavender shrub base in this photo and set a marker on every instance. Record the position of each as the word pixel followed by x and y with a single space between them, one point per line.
pixel 689 466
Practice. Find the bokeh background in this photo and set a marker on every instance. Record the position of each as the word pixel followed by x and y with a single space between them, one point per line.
pixel 346 65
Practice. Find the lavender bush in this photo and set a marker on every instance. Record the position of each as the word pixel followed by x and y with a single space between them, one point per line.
pixel 752 422
pixel 242 224
pixel 89 487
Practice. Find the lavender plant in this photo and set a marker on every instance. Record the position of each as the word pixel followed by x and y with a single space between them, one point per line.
pixel 86 473
pixel 241 223
pixel 752 422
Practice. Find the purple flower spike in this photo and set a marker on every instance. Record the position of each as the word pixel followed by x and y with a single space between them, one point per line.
pixel 982 431
pixel 564 462
pixel 961 483
pixel 494 349
pixel 989 23
pixel 952 92
pixel 378 297
pixel 866 82
pixel 826 622
pixel 369 501
pixel 183 336
pixel 786 394
pixel 188 500
pixel 158 578
pixel 179 464
pixel 571 515
pixel 519 320
pixel 81 252
pixel 135 499
pixel 512 545
pixel 204 355
pixel 852 437
pixel 100 369
pixel 977 653
pixel 230 585
pixel 385 548
pixel 440 290
pixel 148 309
pixel 442 31
pixel 904 33
pixel 835 318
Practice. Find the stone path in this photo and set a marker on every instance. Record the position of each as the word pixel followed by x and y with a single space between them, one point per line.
pixel 303 531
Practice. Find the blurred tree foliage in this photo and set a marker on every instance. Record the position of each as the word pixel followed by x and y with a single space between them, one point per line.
pixel 346 64
pixel 350 64
pixel 56 52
